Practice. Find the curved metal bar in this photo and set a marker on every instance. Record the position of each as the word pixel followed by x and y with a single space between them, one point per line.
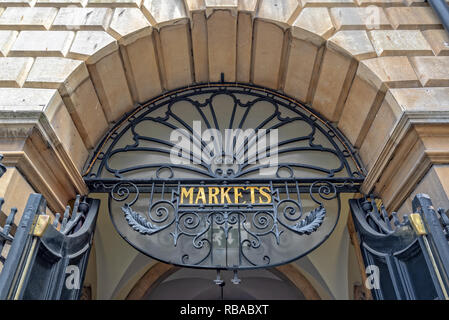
pixel 336 140
pixel 394 241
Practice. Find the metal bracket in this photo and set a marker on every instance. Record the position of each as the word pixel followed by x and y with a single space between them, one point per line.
pixel 40 225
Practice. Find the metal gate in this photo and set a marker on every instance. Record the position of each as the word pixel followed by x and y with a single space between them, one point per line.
pixel 410 257
pixel 46 261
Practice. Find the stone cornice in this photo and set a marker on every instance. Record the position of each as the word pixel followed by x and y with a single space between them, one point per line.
pixel 409 119
pixel 22 125
pixel 26 167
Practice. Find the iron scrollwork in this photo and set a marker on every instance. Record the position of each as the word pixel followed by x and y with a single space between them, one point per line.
pixel 151 201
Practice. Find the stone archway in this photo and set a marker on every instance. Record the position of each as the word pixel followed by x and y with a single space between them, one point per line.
pixel 160 271
pixel 74 70
pixel 75 67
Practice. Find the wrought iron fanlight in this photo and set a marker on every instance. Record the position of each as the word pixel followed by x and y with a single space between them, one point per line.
pixel 215 208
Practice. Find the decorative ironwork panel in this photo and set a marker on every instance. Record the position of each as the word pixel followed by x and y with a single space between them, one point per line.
pixel 411 256
pixel 224 176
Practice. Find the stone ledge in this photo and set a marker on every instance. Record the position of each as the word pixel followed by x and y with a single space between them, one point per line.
pixel 29 170
pixel 45 109
pixel 426 106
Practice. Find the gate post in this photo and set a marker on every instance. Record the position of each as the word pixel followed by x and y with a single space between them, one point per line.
pixel 438 244
pixel 20 247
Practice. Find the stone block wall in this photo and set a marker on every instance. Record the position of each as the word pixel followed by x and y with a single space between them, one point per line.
pixel 377 69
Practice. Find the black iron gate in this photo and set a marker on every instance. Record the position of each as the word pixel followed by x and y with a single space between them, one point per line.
pixel 408 259
pixel 47 261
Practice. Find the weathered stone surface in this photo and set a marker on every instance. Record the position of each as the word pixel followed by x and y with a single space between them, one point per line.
pixel 114 3
pixel 109 79
pixel 92 46
pixel 61 3
pixel 42 43
pixel 199 46
pixel 432 71
pixel 438 40
pixel 313 25
pixel 336 69
pixel 128 25
pixel 359 111
pixel 249 6
pixel 225 4
pixel 174 51
pixel 142 70
pixel 413 18
pixel 380 3
pixel 15 189
pixel 281 12
pixel 360 18
pixel 328 3
pixel 299 70
pixel 28 103
pixel 7 38
pixel 373 78
pixel 353 43
pixel 267 57
pixel 67 133
pixel 164 12
pixel 51 72
pixel 222 44
pixel 27 18
pixel 194 5
pixel 388 72
pixel 13 71
pixel 419 99
pixel 400 42
pixel 71 78
pixel 230 5
pixel 436 184
pixel 17 3
pixel 82 19
pixel 244 45
pixel 378 134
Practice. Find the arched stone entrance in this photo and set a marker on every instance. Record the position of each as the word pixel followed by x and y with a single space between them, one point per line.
pixel 385 88
pixel 149 283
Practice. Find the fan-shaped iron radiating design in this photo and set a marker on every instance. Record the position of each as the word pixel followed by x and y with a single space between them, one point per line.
pixel 224 176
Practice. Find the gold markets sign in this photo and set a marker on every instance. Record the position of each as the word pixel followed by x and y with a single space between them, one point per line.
pixel 225 195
